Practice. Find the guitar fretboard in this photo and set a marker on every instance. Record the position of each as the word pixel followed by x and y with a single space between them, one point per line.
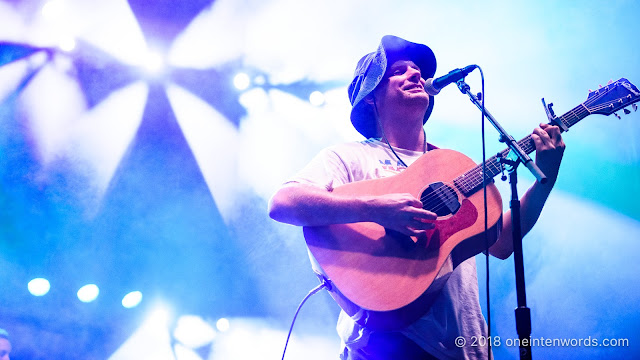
pixel 472 180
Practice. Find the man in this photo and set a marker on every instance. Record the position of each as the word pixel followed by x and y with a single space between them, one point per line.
pixel 5 345
pixel 390 107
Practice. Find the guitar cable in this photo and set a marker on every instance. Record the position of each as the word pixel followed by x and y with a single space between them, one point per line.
pixel 486 220
pixel 326 283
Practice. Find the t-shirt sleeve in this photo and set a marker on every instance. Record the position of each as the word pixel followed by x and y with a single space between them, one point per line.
pixel 327 170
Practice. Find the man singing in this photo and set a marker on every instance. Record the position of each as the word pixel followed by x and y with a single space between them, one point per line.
pixel 389 108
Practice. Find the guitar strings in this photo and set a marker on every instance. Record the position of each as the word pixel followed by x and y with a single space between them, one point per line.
pixel 470 179
pixel 429 201
pixel 433 198
pixel 570 119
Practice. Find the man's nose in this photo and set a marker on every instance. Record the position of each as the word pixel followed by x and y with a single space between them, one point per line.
pixel 414 75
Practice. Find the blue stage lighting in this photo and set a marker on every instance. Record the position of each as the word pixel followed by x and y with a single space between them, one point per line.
pixel 88 293
pixel 39 286
pixel 222 324
pixel 193 331
pixel 316 98
pixel 241 81
pixel 132 299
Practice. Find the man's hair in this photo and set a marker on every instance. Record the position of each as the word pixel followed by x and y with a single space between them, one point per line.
pixel 4 334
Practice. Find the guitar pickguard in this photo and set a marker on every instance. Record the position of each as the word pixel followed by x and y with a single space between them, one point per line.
pixel 464 218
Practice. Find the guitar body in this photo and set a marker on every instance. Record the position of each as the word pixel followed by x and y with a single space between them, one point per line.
pixel 386 280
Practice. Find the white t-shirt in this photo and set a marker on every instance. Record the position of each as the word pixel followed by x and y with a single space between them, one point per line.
pixel 456 311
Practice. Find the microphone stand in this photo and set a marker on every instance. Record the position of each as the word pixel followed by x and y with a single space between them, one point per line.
pixel 522 312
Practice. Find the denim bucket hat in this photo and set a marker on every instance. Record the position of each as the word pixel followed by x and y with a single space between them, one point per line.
pixel 369 73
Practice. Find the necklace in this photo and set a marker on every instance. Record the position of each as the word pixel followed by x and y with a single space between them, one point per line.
pixel 384 136
pixel 424 147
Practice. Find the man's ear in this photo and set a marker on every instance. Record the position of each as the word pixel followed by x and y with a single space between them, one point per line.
pixel 369 99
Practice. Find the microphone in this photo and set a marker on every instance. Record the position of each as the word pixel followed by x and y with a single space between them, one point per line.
pixel 433 86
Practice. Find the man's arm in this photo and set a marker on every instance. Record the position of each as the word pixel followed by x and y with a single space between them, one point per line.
pixel 307 205
pixel 549 150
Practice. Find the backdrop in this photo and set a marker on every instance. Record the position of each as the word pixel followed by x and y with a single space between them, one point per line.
pixel 141 140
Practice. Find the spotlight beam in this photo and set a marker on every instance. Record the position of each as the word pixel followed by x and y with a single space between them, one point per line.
pixel 10 52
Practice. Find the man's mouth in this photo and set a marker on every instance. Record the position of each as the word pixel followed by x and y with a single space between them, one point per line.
pixel 414 87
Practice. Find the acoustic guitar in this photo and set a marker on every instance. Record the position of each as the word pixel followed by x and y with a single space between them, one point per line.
pixel 385 280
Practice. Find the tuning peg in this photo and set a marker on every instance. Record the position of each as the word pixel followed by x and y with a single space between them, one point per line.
pixel 610 82
pixel 626 111
pixel 618 116
pixel 600 85
pixel 635 107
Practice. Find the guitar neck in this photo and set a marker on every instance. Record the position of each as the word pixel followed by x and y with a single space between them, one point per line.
pixel 471 181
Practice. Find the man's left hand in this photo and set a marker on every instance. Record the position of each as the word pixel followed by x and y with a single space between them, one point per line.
pixel 549 150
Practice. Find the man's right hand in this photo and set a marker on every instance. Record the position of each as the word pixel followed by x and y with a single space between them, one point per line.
pixel 306 205
pixel 402 213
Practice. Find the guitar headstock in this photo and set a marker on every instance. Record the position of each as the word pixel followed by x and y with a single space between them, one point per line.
pixel 613 97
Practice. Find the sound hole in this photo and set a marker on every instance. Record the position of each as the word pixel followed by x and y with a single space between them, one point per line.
pixel 440 199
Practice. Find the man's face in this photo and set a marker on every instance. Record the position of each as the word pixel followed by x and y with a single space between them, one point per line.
pixel 5 349
pixel 402 85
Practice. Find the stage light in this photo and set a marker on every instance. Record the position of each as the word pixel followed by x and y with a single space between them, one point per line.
pixel 152 339
pixel 132 299
pixel 11 76
pixel 256 99
pixel 184 353
pixel 67 45
pixel 266 342
pixel 39 286
pixel 101 136
pixel 196 48
pixel 88 293
pixel 222 325
pixel 241 81
pixel 260 80
pixel 193 332
pixel 316 98
pixel 200 123
pixel 38 59
pixel 160 316
pixel 53 9
pixel 153 62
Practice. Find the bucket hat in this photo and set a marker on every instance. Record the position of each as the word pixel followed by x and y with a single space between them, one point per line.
pixel 371 69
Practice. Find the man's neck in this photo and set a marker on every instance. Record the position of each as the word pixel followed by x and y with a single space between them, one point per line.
pixel 404 132
pixel 411 140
